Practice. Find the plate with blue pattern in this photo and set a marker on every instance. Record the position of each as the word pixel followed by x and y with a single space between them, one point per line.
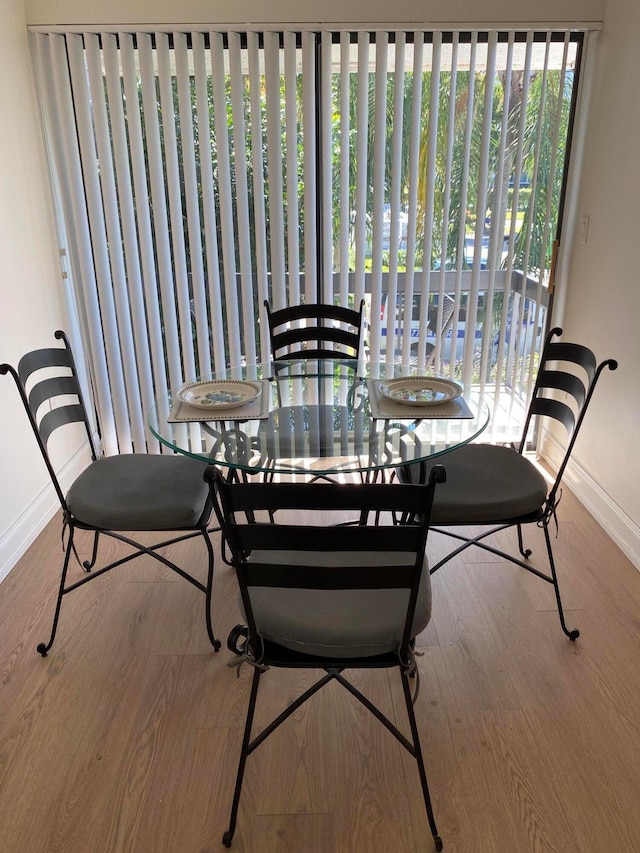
pixel 221 394
pixel 420 391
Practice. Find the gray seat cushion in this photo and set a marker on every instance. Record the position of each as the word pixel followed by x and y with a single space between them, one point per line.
pixel 338 623
pixel 485 484
pixel 141 492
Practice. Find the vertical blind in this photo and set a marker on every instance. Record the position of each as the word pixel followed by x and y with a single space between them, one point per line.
pixel 201 173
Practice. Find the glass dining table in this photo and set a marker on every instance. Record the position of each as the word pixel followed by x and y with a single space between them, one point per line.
pixel 318 418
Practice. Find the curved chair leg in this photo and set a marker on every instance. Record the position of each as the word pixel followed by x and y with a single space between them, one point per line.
pixel 228 835
pixel 43 648
pixel 209 593
pixel 526 552
pixel 572 633
pixel 417 754
pixel 224 551
pixel 89 564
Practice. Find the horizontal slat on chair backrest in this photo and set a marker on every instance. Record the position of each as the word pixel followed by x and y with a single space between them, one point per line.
pixel 41 358
pixel 58 417
pixel 563 381
pixel 323 577
pixel 554 409
pixel 312 354
pixel 314 333
pixel 558 380
pixel 318 311
pixel 576 353
pixel 403 538
pixel 56 386
pixel 253 497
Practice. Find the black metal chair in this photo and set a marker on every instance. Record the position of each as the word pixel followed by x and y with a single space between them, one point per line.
pixel 497 485
pixel 130 492
pixel 328 597
pixel 315 331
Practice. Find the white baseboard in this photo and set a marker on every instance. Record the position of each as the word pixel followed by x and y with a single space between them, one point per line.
pixel 15 542
pixel 622 529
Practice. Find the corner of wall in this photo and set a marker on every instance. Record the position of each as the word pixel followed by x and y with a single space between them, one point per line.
pixel 620 527
pixel 18 538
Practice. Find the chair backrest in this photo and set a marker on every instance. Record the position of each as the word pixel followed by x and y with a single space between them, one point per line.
pixel 325 546
pixel 573 370
pixel 316 330
pixel 48 384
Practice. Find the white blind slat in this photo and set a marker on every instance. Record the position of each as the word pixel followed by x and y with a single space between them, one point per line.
pixel 108 315
pixel 160 222
pixel 310 192
pixel 395 201
pixel 122 213
pixel 344 147
pixel 360 212
pixel 378 177
pixel 425 288
pixel 138 216
pixel 213 286
pixel 275 169
pixel 225 198
pixel 115 277
pixel 326 168
pixel 412 212
pixel 189 146
pixel 292 166
pixel 481 208
pixel 174 195
pixel 54 75
pixel 242 198
pixel 259 199
pixel 469 338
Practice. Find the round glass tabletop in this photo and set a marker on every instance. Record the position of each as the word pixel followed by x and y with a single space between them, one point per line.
pixel 318 417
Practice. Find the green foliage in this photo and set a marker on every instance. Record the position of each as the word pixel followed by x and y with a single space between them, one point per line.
pixel 448 188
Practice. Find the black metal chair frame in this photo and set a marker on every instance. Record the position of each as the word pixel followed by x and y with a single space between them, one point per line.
pixel 553 380
pixel 76 412
pixel 236 504
pixel 336 331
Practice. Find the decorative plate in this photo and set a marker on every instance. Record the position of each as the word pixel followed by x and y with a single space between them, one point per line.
pixel 420 390
pixel 220 394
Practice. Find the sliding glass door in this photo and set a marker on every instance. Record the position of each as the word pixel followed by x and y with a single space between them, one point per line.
pixel 201 173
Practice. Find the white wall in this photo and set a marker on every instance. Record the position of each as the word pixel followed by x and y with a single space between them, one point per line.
pixel 222 11
pixel 602 301
pixel 602 293
pixel 31 296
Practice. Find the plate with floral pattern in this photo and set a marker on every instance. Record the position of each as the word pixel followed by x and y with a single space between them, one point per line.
pixel 420 390
pixel 219 395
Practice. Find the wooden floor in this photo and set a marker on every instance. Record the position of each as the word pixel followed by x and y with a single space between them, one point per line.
pixel 126 737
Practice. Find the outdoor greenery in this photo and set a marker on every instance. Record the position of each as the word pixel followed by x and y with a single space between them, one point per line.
pixel 484 185
pixel 515 210
pixel 530 204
